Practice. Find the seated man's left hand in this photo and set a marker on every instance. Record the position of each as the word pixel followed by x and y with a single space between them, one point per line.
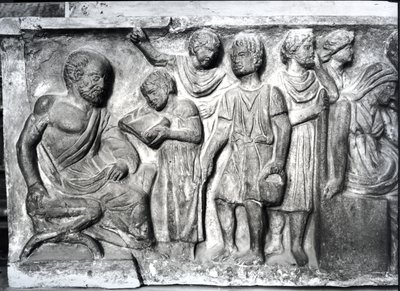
pixel 118 171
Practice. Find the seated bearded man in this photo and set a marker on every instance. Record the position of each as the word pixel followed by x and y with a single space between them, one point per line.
pixel 87 165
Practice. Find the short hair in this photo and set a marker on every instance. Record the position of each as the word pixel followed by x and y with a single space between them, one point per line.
pixel 252 43
pixel 293 40
pixel 159 78
pixel 77 61
pixel 334 42
pixel 201 37
pixel 392 49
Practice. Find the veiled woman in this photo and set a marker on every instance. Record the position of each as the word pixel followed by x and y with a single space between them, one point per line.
pixel 362 158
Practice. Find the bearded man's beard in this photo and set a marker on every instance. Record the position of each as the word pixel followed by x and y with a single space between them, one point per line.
pixel 308 63
pixel 94 95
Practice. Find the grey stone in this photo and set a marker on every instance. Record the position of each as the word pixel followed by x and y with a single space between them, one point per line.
pixel 231 165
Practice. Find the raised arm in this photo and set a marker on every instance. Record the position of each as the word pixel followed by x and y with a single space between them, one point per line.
pixel 156 58
pixel 30 137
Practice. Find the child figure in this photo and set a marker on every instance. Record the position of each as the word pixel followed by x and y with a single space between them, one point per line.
pixel 172 126
pixel 253 127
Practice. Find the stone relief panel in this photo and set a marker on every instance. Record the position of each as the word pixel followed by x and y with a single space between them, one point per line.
pixel 213 155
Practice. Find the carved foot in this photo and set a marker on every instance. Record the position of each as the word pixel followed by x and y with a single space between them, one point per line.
pixel 35 241
pixel 134 243
pixel 225 253
pixel 300 256
pixel 252 258
pixel 275 245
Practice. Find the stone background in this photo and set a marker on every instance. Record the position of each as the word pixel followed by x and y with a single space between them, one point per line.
pixel 128 61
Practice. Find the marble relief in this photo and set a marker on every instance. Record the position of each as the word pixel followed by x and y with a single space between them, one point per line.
pixel 119 174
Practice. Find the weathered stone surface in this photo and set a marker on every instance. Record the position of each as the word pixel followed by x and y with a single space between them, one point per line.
pixel 341 248
pixel 232 164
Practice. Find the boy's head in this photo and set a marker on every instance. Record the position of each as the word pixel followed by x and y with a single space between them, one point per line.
pixel 204 44
pixel 247 54
pixel 157 87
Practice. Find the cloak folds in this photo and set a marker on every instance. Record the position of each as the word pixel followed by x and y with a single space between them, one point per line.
pixel 198 83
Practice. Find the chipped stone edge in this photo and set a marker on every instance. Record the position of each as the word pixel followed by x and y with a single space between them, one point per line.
pixel 98 274
pixel 15 26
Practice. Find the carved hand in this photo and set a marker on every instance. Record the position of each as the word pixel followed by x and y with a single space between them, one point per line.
pixel 332 188
pixel 272 168
pixel 35 196
pixel 157 134
pixel 118 171
pixel 137 35
pixel 206 110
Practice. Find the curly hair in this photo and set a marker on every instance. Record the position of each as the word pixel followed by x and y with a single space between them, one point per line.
pixel 157 79
pixel 201 37
pixel 252 44
pixel 293 40
pixel 77 61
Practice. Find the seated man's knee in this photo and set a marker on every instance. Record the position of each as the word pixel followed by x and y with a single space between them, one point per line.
pixel 94 211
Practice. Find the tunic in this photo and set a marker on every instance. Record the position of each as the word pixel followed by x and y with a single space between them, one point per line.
pixel 250 141
pixel 176 206
pixel 304 97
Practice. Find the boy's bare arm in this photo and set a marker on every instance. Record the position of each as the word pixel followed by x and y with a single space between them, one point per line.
pixel 156 58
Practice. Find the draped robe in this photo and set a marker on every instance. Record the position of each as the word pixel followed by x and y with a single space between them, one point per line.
pixel 304 97
pixel 82 171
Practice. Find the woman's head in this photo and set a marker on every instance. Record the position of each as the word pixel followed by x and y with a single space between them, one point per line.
pixel 338 45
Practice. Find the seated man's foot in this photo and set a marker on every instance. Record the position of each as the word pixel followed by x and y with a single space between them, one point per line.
pixel 275 245
pixel 300 256
pixel 252 258
pixel 134 243
pixel 226 253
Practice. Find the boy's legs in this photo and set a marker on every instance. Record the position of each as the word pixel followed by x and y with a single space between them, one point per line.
pixel 255 218
pixel 276 224
pixel 226 216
